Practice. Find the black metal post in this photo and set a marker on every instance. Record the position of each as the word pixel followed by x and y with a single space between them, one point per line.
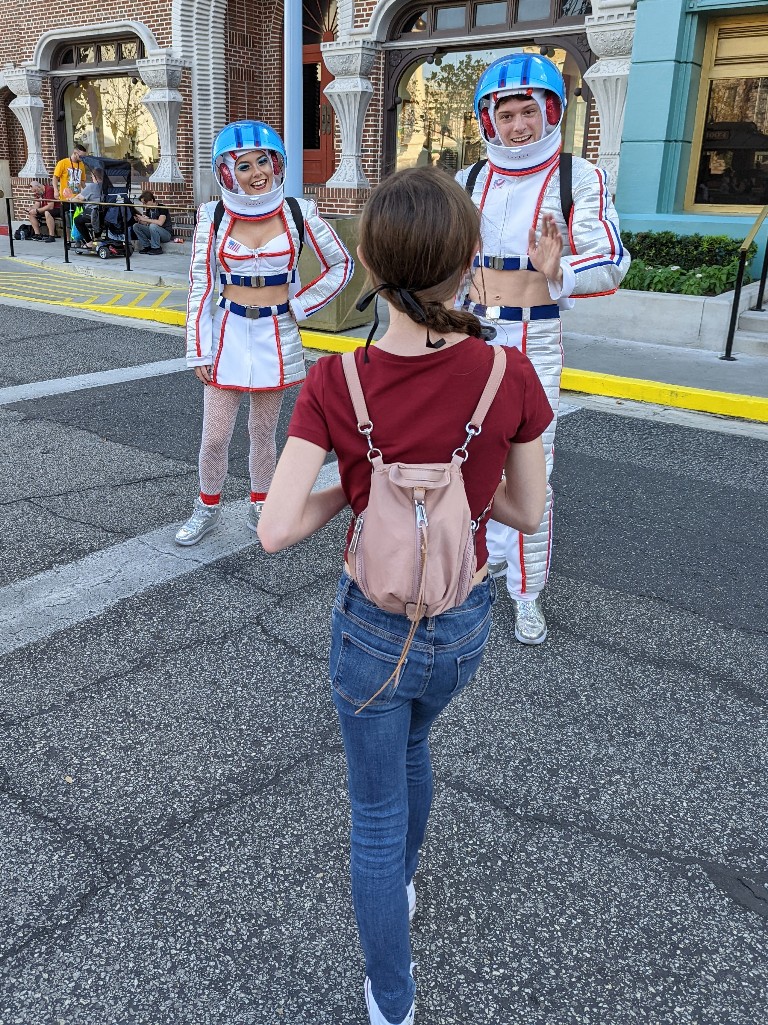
pixel 10 222
pixel 65 223
pixel 763 274
pixel 127 241
pixel 735 309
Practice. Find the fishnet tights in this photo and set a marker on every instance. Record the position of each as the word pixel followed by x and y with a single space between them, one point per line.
pixel 220 408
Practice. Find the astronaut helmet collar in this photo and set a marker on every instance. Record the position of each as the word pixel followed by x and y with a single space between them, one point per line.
pixel 233 142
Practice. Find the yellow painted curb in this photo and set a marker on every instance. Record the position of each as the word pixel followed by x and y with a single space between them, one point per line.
pixel 330 343
pixel 175 317
pixel 745 407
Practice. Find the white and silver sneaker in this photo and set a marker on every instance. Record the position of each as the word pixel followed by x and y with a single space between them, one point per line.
pixel 530 624
pixel 254 515
pixel 411 891
pixel 202 521
pixel 374 1014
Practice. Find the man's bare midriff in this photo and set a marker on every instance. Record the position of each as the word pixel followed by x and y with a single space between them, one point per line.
pixel 509 288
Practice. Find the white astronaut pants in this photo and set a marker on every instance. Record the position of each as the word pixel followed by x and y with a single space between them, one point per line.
pixel 528 555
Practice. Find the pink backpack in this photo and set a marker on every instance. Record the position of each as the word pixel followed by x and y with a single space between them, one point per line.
pixel 413 548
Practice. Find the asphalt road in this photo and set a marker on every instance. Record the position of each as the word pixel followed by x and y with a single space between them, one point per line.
pixel 173 814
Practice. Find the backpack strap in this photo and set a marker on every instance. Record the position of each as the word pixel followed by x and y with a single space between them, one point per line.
pixel 356 390
pixel 218 214
pixel 491 388
pixel 298 220
pixel 474 171
pixel 566 185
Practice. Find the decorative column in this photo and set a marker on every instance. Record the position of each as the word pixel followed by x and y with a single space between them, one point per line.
pixel 27 84
pixel 350 61
pixel 610 31
pixel 162 73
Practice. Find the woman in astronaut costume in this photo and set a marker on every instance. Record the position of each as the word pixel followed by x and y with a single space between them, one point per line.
pixel 531 265
pixel 242 335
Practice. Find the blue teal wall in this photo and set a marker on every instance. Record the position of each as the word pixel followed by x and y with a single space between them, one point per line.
pixel 662 92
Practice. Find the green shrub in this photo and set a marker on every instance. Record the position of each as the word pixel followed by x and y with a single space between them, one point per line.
pixel 683 264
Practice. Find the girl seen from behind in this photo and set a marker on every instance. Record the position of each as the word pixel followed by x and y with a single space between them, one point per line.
pixel 421 384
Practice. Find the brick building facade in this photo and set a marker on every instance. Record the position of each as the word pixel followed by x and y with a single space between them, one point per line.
pixel 154 81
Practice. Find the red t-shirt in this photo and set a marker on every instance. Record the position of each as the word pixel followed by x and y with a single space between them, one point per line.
pixel 419 407
pixel 49 197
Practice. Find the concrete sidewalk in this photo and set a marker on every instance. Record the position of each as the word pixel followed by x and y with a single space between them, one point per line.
pixel 155 290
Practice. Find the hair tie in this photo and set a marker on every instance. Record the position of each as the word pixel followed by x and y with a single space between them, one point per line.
pixel 408 299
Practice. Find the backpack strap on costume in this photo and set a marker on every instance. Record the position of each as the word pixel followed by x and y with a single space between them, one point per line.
pixel 566 182
pixel 566 185
pixel 474 171
pixel 298 219
pixel 218 214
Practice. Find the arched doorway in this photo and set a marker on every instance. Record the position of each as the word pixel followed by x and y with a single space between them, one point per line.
pixel 430 84
pixel 97 96
pixel 319 26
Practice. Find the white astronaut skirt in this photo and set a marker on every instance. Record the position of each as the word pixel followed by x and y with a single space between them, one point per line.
pixel 528 556
pixel 260 354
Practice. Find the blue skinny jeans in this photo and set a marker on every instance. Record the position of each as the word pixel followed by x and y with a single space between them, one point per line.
pixel 388 763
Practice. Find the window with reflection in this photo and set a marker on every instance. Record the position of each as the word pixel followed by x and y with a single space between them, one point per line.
pixel 435 113
pixel 729 160
pixel 533 10
pixel 110 52
pixel 450 18
pixel 733 166
pixel 108 116
pixel 575 8
pixel 415 23
pixel 487 15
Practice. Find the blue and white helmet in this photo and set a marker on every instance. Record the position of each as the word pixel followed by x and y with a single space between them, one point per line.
pixel 520 74
pixel 242 137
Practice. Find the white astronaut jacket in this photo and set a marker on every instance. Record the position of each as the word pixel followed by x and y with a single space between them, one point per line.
pixel 214 259
pixel 510 202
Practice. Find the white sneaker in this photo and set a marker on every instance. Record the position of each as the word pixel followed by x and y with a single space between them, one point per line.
pixel 253 515
pixel 203 520
pixel 530 624
pixel 411 891
pixel 374 1014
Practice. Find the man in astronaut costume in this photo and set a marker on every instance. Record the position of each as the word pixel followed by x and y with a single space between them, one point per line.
pixel 245 299
pixel 531 265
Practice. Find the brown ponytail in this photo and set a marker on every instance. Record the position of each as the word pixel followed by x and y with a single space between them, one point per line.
pixel 419 232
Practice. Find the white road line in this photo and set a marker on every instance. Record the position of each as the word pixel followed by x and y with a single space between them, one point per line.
pixel 32 610
pixel 62 385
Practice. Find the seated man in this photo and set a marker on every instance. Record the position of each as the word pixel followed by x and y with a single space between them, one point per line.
pixel 43 202
pixel 153 227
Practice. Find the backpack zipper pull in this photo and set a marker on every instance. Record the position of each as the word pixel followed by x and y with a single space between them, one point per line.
pixel 356 534
pixel 421 514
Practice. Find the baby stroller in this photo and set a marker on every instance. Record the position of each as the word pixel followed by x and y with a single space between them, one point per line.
pixel 112 225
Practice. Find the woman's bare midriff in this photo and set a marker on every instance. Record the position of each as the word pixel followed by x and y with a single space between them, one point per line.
pixel 256 235
pixel 509 288
pixel 270 295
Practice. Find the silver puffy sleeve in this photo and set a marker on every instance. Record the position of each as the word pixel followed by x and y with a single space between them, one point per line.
pixel 598 258
pixel 336 265
pixel 202 287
